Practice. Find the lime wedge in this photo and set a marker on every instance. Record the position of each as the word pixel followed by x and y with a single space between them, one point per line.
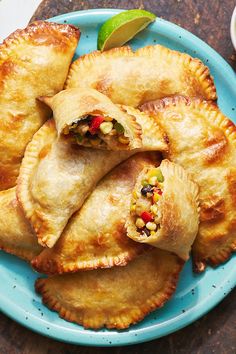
pixel 120 28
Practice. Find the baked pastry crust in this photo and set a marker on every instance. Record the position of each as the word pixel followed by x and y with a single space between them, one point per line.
pixel 178 210
pixel 96 236
pixel 28 56
pixel 56 178
pixel 149 73
pixel 115 297
pixel 16 235
pixel 203 141
pixel 72 105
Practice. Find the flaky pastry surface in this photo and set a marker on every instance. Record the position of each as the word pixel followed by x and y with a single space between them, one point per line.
pixel 16 235
pixel 56 178
pixel 96 236
pixel 33 62
pixel 203 141
pixel 115 297
pixel 132 78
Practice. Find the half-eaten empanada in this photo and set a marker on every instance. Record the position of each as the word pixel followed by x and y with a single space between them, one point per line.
pixel 33 62
pixel 89 118
pixel 132 78
pixel 16 235
pixel 96 236
pixel 203 141
pixel 57 176
pixel 164 209
pixel 115 297
pixel 55 179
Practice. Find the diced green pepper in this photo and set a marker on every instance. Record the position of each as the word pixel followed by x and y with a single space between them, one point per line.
pixel 119 128
pixel 79 137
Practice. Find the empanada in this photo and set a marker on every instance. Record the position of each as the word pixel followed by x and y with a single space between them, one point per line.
pixel 132 78
pixel 164 209
pixel 57 176
pixel 115 297
pixel 16 235
pixel 33 62
pixel 89 118
pixel 203 141
pixel 95 236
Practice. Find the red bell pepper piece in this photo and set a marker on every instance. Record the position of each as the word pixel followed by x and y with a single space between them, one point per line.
pixel 95 124
pixel 146 216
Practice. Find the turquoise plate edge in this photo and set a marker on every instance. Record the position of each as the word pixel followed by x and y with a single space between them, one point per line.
pixel 217 282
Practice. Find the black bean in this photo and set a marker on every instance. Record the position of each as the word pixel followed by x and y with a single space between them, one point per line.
pixel 146 231
pixel 147 189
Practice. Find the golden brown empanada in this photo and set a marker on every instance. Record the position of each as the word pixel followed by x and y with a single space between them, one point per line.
pixel 89 118
pixel 115 297
pixel 16 235
pixel 95 236
pixel 55 179
pixel 164 209
pixel 203 141
pixel 33 62
pixel 132 78
pixel 57 176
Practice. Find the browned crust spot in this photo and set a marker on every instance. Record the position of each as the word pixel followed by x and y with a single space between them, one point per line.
pixel 38 33
pixel 53 266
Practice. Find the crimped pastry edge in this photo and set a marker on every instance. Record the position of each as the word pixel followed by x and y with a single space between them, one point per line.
pixel 23 188
pixel 200 264
pixel 118 322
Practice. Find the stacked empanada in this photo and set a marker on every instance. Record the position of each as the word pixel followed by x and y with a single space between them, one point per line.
pixel 92 190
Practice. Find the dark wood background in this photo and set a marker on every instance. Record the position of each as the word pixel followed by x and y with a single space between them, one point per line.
pixel 215 332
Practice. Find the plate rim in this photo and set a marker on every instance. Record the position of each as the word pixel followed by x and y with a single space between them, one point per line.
pixel 106 339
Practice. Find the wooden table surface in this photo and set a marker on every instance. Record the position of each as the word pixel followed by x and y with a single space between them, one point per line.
pixel 215 332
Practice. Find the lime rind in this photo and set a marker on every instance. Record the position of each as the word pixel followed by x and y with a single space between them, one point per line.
pixel 122 19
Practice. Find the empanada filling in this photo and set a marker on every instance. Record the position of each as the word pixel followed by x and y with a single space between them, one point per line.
pixel 97 130
pixel 145 200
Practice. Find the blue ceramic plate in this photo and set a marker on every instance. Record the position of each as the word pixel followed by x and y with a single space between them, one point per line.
pixel 196 294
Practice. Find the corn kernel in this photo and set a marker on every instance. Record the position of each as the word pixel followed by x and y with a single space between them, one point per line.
pixel 66 130
pixel 151 226
pixel 139 223
pixel 135 195
pixel 113 132
pixel 108 119
pixel 156 197
pixel 154 209
pixel 152 180
pixel 123 140
pixel 157 173
pixel 106 127
pixel 133 207
pixel 152 233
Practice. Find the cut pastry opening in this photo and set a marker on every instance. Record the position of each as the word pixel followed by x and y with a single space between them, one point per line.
pixel 145 203
pixel 97 130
